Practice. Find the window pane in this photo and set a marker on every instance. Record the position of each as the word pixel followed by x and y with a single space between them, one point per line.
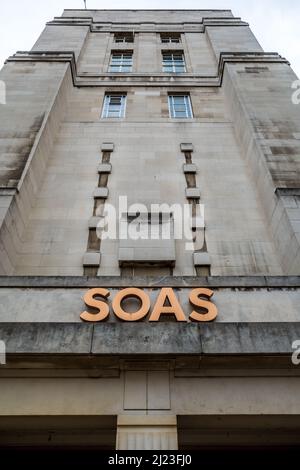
pixel 180 106
pixel 114 106
pixel 121 62
pixel 169 38
pixel 173 62
pixel 124 37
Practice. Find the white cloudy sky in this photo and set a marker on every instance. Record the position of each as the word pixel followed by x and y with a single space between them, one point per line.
pixel 274 22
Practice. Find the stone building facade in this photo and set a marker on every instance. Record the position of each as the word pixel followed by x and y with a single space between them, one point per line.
pixel 173 107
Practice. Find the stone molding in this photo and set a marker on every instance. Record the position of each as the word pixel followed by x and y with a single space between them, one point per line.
pixel 154 26
pixel 263 282
pixel 140 79
pixel 148 340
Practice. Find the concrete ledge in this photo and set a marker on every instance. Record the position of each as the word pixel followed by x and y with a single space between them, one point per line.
pixel 186 147
pixel 147 253
pixel 146 338
pixel 46 338
pixel 192 193
pixel 263 282
pixel 189 168
pixel 100 193
pixel 136 339
pixel 201 259
pixel 248 338
pixel 147 420
pixel 94 221
pixel 104 168
pixel 107 147
pixel 91 259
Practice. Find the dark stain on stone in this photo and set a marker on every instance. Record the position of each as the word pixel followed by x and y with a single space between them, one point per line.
pixel 24 69
pixel 22 72
pixel 285 150
pixel 277 159
pixel 11 171
pixel 15 134
pixel 276 129
pixel 190 180
pixel 285 179
pixel 37 122
pixel 255 70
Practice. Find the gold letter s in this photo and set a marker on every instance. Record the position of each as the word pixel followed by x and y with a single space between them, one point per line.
pixel 90 301
pixel 195 299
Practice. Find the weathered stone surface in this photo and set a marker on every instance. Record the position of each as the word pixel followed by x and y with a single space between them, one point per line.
pixel 146 339
pixel 192 193
pixel 64 188
pixel 249 338
pixel 268 136
pixel 135 339
pixel 46 338
pixel 91 259
pixel 146 281
pixel 26 83
pixel 100 193
pixel 59 303
pixel 202 259
pixel 107 147
pixel 186 147
pixel 190 168
pixel 104 168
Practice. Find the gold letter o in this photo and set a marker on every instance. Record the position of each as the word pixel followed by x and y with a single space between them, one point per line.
pixel 131 292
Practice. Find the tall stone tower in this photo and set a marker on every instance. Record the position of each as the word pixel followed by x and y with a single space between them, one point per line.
pixel 149 170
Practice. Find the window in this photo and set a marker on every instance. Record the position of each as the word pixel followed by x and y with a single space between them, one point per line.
pixel 170 38
pixel 124 37
pixel 121 62
pixel 180 106
pixel 173 62
pixel 114 106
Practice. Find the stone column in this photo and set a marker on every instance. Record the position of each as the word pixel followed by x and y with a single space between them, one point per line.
pixel 147 432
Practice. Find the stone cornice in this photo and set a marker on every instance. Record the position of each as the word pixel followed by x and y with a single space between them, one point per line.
pixel 238 282
pixel 248 57
pixel 147 79
pixel 142 340
pixel 152 26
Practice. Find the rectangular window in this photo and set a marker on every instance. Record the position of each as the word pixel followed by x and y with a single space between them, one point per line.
pixel 180 106
pixel 170 38
pixel 124 37
pixel 121 62
pixel 114 106
pixel 173 62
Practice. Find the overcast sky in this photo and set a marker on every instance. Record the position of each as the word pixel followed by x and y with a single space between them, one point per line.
pixel 276 23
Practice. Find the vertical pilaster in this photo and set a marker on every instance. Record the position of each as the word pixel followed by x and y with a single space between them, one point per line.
pixel 92 257
pixel 201 257
pixel 267 126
